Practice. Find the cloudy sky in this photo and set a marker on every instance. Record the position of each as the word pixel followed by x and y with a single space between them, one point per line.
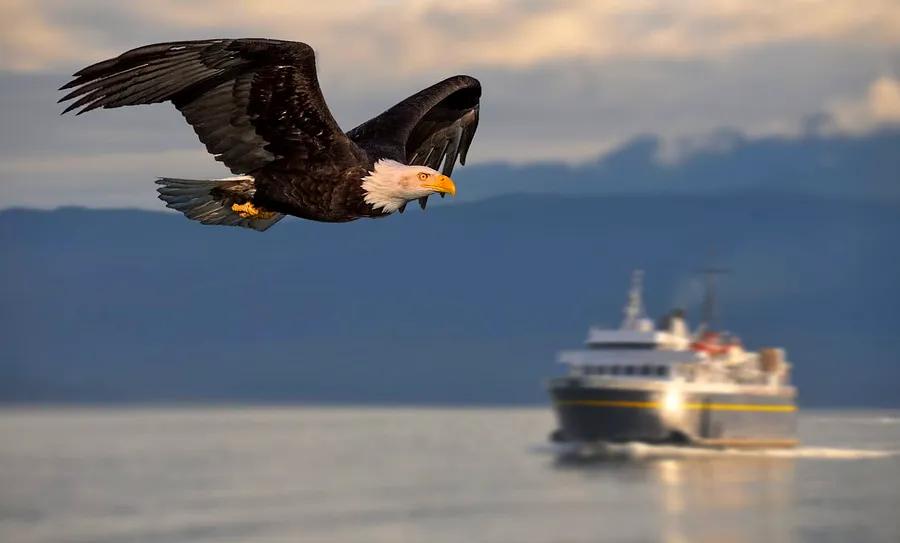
pixel 563 80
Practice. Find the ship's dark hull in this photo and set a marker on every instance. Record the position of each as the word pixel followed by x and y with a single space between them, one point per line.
pixel 590 412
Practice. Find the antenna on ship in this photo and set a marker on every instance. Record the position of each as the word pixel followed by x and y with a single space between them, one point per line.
pixel 710 301
pixel 634 308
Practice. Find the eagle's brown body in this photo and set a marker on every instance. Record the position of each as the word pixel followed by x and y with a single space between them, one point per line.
pixel 327 196
pixel 257 106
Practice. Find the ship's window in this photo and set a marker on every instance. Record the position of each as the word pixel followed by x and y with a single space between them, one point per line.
pixel 629 370
pixel 645 370
pixel 662 371
pixel 600 370
pixel 615 370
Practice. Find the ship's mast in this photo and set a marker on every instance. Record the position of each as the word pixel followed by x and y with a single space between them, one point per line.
pixel 710 302
pixel 634 308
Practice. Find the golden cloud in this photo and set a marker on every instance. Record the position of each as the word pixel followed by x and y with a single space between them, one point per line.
pixel 879 106
pixel 416 35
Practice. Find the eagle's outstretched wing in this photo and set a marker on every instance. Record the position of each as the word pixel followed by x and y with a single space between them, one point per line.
pixel 251 101
pixel 433 127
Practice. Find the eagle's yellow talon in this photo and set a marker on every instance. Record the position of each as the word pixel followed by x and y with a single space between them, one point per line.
pixel 249 211
pixel 244 210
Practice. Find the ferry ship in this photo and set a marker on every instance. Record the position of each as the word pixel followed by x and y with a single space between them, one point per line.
pixel 659 383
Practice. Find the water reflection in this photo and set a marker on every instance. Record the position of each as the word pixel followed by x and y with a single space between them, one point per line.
pixel 701 497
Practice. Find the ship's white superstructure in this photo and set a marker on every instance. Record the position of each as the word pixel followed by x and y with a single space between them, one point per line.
pixel 638 350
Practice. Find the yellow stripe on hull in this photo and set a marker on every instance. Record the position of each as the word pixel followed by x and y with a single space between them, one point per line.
pixel 695 406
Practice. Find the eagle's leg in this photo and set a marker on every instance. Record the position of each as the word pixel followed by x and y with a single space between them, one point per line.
pixel 249 211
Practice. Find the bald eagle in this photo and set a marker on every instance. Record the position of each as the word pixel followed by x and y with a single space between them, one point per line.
pixel 257 107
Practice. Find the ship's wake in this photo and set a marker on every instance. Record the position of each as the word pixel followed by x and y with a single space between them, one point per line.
pixel 644 451
pixel 885 419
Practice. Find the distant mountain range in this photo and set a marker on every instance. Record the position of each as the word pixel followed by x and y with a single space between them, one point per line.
pixel 462 304
pixel 845 166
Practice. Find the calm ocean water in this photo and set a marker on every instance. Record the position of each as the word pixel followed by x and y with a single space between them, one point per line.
pixel 436 475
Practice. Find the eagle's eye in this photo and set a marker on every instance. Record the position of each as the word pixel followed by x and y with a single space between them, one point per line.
pixel 423 176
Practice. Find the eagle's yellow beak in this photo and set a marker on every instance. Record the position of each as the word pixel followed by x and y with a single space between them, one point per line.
pixel 441 184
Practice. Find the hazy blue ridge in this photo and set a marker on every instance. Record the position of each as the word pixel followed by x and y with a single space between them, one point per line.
pixel 863 167
pixel 461 304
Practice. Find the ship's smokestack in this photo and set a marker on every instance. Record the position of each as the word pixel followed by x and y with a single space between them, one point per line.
pixel 674 323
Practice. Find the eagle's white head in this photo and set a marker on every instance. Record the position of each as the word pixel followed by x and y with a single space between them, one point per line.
pixel 391 184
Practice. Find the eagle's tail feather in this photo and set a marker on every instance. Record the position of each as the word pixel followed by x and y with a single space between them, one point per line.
pixel 216 201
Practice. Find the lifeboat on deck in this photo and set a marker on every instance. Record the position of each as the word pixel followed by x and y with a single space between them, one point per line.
pixel 711 343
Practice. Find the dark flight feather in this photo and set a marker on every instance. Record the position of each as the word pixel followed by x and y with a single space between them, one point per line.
pixel 428 124
pixel 248 100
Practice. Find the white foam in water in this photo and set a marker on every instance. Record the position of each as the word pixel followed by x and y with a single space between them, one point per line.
pixel 647 451
pixel 857 420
